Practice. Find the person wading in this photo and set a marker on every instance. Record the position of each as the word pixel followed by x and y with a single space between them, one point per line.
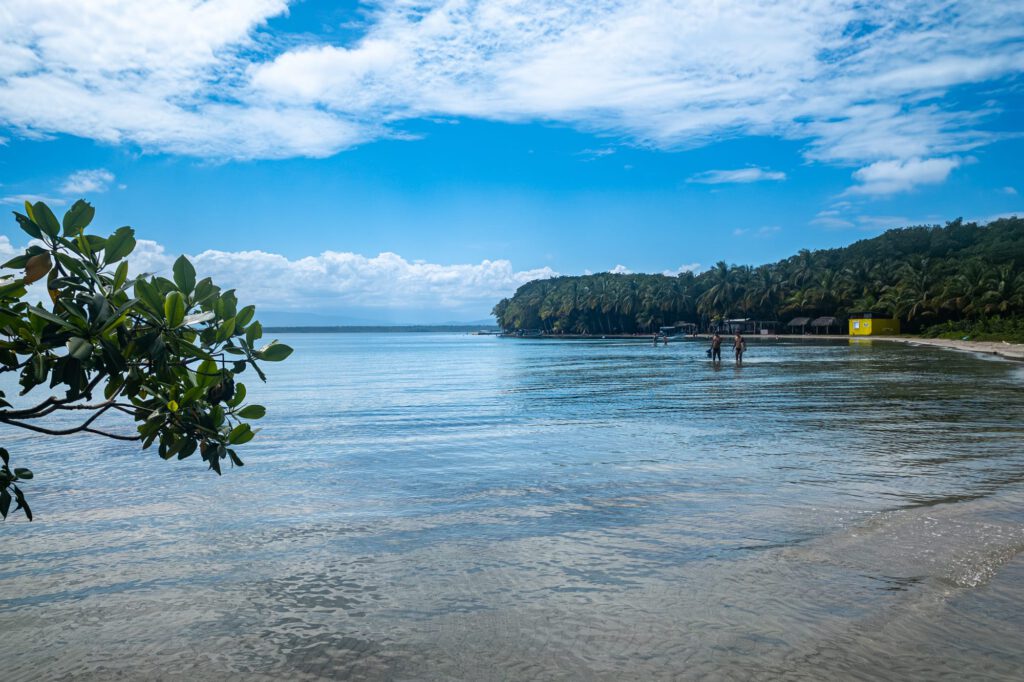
pixel 739 345
pixel 716 348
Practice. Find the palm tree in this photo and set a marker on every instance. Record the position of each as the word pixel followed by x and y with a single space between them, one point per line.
pixel 802 268
pixel 971 291
pixel 919 283
pixel 1007 290
pixel 767 290
pixel 720 297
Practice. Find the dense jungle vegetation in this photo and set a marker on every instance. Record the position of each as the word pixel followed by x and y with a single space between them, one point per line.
pixel 957 275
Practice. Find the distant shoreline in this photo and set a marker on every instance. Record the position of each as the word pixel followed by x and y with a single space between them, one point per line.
pixel 1003 349
pixel 1010 351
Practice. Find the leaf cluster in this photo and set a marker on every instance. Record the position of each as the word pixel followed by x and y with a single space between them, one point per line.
pixel 166 351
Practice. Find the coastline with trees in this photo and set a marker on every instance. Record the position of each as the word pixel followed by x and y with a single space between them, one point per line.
pixel 960 280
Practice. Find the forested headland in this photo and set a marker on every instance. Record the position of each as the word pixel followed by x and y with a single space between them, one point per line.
pixel 953 278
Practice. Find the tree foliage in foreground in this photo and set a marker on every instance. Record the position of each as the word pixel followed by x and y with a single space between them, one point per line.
pixel 165 352
pixel 924 275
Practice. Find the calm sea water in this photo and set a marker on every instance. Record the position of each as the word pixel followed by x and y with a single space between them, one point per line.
pixel 454 507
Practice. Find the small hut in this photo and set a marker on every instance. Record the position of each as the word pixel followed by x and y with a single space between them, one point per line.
pixel 827 322
pixel 800 322
pixel 688 328
pixel 870 323
pixel 740 326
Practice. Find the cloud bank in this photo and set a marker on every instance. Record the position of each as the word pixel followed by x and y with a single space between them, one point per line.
pixel 861 84
pixel 333 281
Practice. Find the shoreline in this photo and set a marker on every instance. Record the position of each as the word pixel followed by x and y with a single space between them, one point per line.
pixel 1003 349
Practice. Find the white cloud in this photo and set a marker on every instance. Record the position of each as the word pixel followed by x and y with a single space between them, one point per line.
pixel 7 250
pixel 20 199
pixel 621 270
pixel 887 222
pixel 831 219
pixel 716 177
pixel 687 267
pixel 766 231
pixel 594 154
pixel 336 280
pixel 860 82
pixel 1012 191
pixel 87 181
pixel 890 177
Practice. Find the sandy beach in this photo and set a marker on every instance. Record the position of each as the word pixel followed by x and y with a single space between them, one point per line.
pixel 1012 351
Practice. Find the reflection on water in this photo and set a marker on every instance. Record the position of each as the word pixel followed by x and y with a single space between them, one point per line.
pixel 445 506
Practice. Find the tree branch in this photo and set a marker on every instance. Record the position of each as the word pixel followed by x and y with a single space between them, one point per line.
pixel 84 427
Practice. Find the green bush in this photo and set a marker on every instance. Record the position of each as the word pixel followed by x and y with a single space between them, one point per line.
pixel 992 329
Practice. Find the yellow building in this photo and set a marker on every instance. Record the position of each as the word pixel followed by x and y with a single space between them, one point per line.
pixel 873 324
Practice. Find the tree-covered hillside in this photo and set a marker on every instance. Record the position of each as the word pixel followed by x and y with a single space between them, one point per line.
pixel 923 275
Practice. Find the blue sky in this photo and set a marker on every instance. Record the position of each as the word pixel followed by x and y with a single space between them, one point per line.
pixel 414 162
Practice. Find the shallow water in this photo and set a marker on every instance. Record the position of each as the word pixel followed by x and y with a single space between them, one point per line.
pixel 434 506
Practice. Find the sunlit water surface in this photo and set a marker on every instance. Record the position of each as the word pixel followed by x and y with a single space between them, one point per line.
pixel 444 506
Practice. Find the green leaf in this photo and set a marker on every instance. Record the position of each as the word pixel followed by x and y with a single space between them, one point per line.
pixel 27 224
pixel 191 394
pixel 244 316
pixel 252 412
pixel 174 309
pixel 227 328
pixel 253 333
pixel 44 218
pixel 95 242
pixel 18 262
pixel 5 502
pixel 121 275
pixel 119 316
pixel 78 217
pixel 242 433
pixel 275 352
pixel 78 348
pixel 24 474
pixel 207 373
pixel 5 456
pixel 22 504
pixel 188 448
pixel 119 245
pixel 49 317
pixel 184 275
pixel 149 295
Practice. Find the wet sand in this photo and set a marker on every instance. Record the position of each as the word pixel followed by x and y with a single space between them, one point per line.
pixel 1011 351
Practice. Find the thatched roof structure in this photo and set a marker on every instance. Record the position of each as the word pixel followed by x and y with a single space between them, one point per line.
pixel 799 322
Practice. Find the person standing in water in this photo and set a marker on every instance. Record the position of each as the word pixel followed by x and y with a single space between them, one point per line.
pixel 739 345
pixel 716 348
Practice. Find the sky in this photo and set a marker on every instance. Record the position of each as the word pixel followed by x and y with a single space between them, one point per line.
pixel 415 161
